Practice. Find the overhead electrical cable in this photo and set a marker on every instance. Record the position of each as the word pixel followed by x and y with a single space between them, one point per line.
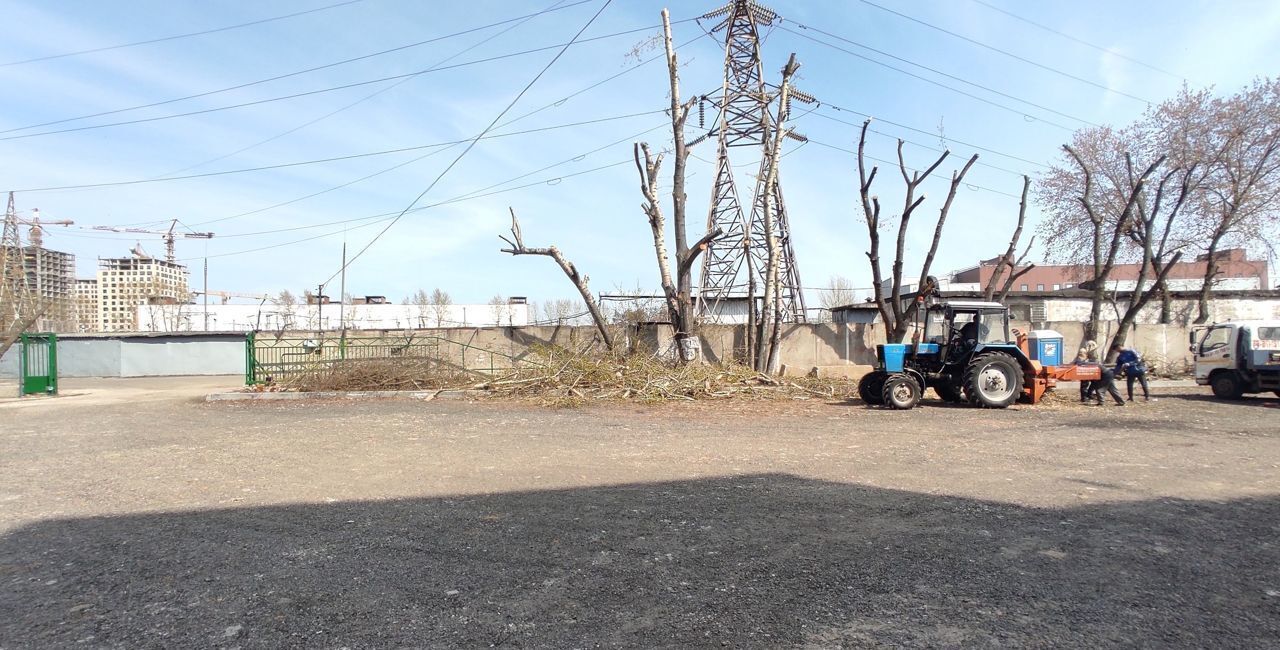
pixel 937 72
pixel 325 90
pixel 1069 37
pixel 295 73
pixel 552 104
pixel 179 36
pixel 895 165
pixel 391 216
pixel 316 161
pixel 1007 53
pixel 471 145
pixel 517 23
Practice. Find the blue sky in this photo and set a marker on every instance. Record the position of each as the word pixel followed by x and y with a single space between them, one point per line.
pixel 592 214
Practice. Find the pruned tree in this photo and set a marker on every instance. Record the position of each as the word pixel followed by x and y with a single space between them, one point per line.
pixel 996 289
pixel 767 353
pixel 1107 228
pixel 579 280
pixel 897 316
pixel 1150 231
pixel 677 288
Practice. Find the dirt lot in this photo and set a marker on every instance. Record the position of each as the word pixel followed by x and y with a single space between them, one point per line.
pixel 149 519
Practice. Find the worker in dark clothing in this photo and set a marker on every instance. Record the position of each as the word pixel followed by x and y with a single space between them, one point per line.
pixel 1131 366
pixel 1089 356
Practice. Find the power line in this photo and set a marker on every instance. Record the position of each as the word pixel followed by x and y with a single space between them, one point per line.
pixel 316 161
pixel 178 36
pixel 296 72
pixel 895 163
pixel 1078 40
pixel 471 145
pixel 518 22
pixel 390 216
pixel 481 191
pixel 329 89
pixel 924 132
pixel 1006 52
pixel 919 144
pixel 513 120
pixel 938 72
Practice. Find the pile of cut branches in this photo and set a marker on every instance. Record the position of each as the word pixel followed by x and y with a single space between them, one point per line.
pixel 577 378
pixel 407 373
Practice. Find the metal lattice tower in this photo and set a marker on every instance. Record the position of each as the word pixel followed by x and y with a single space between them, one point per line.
pixel 734 267
pixel 13 282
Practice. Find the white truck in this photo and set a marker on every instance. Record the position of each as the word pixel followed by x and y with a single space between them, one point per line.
pixel 1238 357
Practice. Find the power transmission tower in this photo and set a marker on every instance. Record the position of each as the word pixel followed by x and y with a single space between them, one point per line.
pixel 16 305
pixel 734 267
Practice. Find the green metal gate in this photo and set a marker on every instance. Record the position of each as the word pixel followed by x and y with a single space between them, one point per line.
pixel 38 360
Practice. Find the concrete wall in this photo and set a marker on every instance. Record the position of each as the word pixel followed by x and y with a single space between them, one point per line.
pixel 803 346
pixel 142 356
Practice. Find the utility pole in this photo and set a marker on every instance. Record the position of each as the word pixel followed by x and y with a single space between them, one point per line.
pixel 206 294
pixel 342 306
pixel 320 309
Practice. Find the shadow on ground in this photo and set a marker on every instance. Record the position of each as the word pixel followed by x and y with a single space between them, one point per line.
pixel 1265 400
pixel 753 560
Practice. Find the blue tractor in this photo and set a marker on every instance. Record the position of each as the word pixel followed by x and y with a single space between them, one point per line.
pixel 965 354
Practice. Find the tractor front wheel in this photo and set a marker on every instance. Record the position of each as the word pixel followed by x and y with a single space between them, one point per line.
pixel 993 380
pixel 871 387
pixel 901 392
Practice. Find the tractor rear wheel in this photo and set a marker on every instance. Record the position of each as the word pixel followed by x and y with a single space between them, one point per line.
pixel 993 380
pixel 871 387
pixel 948 392
pixel 901 392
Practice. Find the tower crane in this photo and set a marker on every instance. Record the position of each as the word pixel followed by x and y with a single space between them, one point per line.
pixel 167 235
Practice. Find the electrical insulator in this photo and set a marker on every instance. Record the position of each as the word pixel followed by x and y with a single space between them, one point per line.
pixel 702 112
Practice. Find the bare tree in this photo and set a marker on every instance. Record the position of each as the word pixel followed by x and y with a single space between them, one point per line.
pixel 995 290
pixel 838 293
pixel 1236 142
pixel 440 301
pixel 561 310
pixel 677 289
pixel 579 280
pixel 896 316
pixel 1107 231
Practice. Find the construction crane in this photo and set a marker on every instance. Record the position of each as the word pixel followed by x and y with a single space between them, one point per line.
pixel 228 295
pixel 167 235
pixel 36 234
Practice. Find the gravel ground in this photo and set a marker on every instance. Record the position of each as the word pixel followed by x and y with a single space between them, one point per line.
pixel 160 521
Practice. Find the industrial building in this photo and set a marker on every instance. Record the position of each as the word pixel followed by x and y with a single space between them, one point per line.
pixel 130 286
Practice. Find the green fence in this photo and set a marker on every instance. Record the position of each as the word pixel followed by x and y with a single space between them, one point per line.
pixel 272 358
pixel 38 364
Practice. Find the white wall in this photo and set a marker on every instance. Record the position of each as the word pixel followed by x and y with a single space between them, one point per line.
pixel 243 318
pixel 140 356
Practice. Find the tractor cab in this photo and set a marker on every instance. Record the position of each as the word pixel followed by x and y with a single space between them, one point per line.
pixel 960 328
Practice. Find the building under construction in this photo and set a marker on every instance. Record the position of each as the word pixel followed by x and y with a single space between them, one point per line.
pixel 47 278
pixel 126 283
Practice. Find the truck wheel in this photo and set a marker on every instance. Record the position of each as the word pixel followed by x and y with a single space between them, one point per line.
pixel 1226 386
pixel 993 380
pixel 948 392
pixel 871 387
pixel 900 392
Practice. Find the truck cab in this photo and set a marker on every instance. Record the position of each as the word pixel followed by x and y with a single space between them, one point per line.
pixel 1238 357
